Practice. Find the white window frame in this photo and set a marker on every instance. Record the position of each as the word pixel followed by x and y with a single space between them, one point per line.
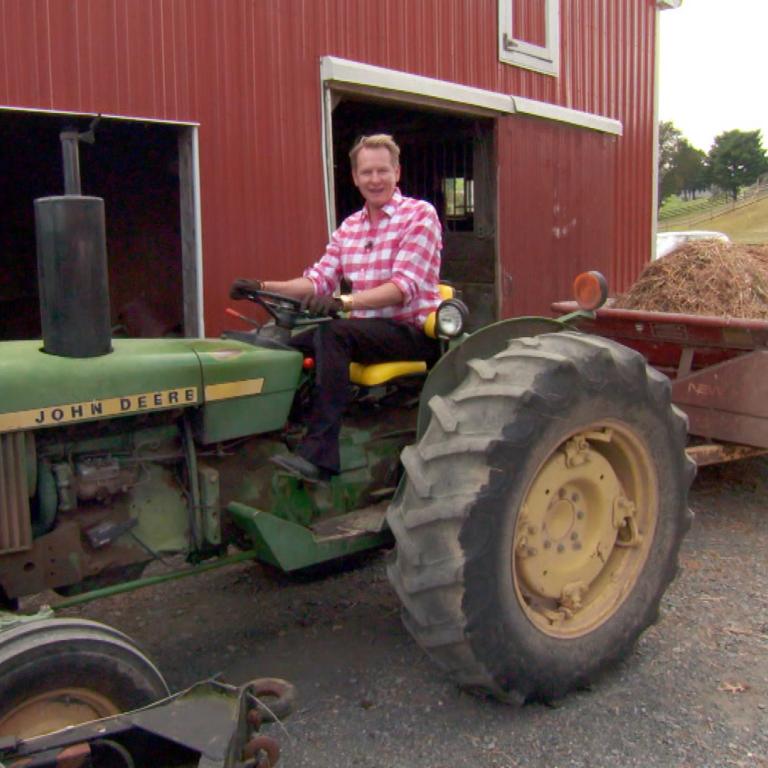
pixel 520 53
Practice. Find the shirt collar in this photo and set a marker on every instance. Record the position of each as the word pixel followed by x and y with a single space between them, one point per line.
pixel 390 208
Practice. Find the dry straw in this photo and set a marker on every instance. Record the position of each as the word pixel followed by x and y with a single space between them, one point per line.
pixel 704 277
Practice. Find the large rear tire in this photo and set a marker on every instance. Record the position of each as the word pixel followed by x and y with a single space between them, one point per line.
pixel 542 515
pixel 60 672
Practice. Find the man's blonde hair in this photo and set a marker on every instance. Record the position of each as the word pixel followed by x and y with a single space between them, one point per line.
pixel 376 141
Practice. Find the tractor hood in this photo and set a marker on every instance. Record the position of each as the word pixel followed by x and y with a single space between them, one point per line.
pixel 39 390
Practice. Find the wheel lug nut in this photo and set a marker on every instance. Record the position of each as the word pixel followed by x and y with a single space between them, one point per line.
pixel 561 547
pixel 580 515
pixel 531 529
pixel 574 536
pixel 547 544
pixel 574 497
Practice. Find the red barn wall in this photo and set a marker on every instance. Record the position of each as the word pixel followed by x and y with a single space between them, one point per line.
pixel 248 72
pixel 556 180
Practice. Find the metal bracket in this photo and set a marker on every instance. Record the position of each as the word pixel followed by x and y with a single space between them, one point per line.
pixel 509 43
pixel 576 451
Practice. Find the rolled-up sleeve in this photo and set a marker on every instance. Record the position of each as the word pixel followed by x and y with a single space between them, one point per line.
pixel 325 274
pixel 418 257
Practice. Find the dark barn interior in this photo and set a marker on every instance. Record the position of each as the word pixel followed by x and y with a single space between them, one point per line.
pixel 447 160
pixel 134 167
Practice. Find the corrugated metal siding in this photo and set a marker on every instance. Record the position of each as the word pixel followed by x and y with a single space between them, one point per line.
pixel 556 184
pixel 530 21
pixel 247 71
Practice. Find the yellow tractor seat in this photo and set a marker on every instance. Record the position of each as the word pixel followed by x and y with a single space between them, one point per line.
pixel 379 373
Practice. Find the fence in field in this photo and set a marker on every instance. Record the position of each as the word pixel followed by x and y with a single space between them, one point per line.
pixel 712 207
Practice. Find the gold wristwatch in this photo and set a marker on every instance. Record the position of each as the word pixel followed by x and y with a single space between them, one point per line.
pixel 346 302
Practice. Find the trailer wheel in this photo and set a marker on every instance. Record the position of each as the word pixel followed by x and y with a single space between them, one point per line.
pixel 542 515
pixel 60 672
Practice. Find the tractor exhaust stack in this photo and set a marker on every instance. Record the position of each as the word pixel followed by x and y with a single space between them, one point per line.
pixel 72 263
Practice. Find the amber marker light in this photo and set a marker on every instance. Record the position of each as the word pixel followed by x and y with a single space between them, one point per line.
pixel 590 289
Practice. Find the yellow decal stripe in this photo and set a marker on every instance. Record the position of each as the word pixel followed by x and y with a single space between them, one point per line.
pixel 233 389
pixel 67 413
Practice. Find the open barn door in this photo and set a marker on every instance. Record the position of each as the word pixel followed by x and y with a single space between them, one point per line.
pixel 146 173
pixel 448 159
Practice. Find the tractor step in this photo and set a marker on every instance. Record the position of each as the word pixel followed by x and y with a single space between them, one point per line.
pixel 291 546
pixel 367 520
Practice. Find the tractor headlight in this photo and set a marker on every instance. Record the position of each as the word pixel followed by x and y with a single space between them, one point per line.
pixel 452 316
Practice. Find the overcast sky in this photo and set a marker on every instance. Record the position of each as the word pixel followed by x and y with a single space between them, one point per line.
pixel 714 68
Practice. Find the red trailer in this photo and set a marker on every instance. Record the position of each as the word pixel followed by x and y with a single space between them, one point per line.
pixel 718 367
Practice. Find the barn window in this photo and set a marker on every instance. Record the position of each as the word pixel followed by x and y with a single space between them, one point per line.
pixel 529 34
pixel 458 193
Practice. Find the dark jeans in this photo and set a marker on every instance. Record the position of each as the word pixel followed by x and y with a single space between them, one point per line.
pixel 334 345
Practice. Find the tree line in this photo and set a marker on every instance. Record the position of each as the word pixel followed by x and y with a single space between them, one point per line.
pixel 736 160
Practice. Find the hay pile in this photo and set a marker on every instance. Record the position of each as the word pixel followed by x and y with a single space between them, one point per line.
pixel 704 277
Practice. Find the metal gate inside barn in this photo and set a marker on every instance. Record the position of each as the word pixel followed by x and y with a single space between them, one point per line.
pixel 446 159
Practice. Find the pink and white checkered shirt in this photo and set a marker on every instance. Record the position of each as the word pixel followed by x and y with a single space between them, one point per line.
pixel 404 248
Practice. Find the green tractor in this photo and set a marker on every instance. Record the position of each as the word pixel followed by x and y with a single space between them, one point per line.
pixel 534 483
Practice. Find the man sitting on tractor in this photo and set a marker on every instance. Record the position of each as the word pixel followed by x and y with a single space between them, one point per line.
pixel 389 253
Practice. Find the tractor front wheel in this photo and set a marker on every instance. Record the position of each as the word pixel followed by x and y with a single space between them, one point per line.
pixel 56 673
pixel 542 515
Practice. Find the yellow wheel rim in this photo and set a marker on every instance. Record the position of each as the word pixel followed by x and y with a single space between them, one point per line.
pixel 585 530
pixel 56 709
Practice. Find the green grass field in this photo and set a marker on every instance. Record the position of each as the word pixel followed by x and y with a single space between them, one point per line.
pixel 748 224
pixel 675 206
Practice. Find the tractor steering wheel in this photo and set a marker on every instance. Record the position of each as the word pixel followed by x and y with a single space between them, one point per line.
pixel 286 311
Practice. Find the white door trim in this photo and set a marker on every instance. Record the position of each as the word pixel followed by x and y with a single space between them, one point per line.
pixel 194 323
pixel 345 76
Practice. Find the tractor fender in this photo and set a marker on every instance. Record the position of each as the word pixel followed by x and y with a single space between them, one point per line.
pixel 451 369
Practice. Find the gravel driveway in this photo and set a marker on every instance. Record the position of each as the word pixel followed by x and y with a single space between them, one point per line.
pixel 694 693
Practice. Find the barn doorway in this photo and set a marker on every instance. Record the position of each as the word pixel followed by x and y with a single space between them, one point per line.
pixel 146 172
pixel 447 159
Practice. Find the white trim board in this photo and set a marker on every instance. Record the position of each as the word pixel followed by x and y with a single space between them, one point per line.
pixel 560 114
pixel 342 74
pixel 198 213
pixel 104 115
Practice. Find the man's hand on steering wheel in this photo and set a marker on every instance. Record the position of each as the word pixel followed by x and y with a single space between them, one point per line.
pixel 242 287
pixel 322 306
pixel 287 311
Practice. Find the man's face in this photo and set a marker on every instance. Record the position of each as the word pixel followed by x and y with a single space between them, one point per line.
pixel 375 175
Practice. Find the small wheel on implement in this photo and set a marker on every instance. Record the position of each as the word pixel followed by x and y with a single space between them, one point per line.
pixel 60 672
pixel 542 517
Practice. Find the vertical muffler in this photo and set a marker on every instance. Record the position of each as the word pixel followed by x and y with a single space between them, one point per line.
pixel 72 265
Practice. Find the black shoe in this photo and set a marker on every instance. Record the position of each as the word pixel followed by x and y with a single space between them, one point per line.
pixel 301 468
